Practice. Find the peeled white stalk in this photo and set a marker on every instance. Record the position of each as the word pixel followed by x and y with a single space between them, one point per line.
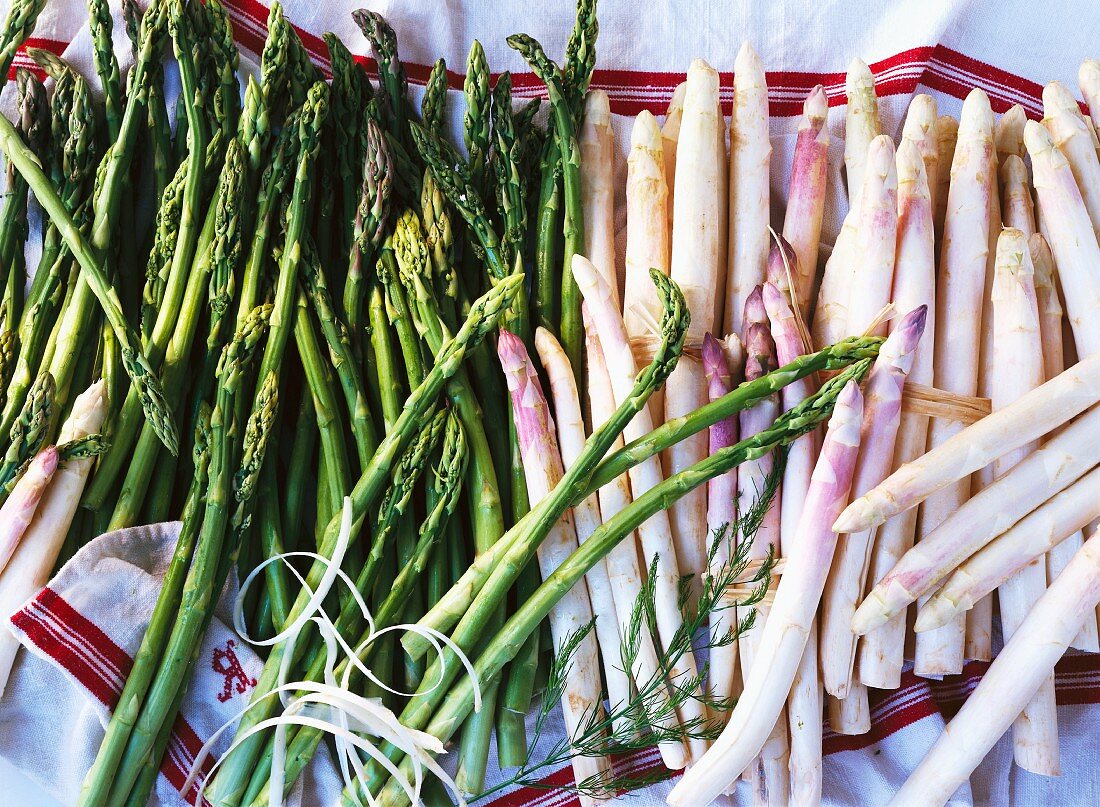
pixel 1072 238
pixel 723 372
pixel 597 147
pixel 656 533
pixel 880 654
pixel 670 135
pixel 958 338
pixel 1025 662
pixel 617 580
pixel 1008 135
pixel 1031 417
pixel 881 420
pixel 1044 529
pixel 830 321
pixel 749 190
pixel 876 238
pixel 1071 134
pixel 1050 327
pixel 1017 369
pixel 1088 77
pixel 698 244
pixel 785 633
pixel 851 714
pixel 1064 459
pixel 22 502
pixel 806 195
pixel 646 231
pixel 770 773
pixel 920 130
pixel 1017 207
pixel 542 469
pixel 861 124
pixel 947 133
pixel 31 564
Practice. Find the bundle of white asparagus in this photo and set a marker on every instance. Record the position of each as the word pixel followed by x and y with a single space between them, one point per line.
pixel 969 243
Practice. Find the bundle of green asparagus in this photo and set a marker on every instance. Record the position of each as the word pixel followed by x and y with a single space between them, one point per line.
pixel 309 362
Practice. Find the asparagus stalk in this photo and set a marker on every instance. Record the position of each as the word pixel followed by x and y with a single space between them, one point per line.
pixel 806 196
pixel 876 237
pixel 920 129
pixel 20 506
pixel 1070 134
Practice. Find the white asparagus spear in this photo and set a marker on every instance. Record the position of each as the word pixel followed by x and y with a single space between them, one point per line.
pixel 698 237
pixel 1051 329
pixel 1071 134
pixel 1018 368
pixel 655 533
pixel 881 419
pixel 806 195
pixel 22 502
pixel 32 563
pixel 958 339
pixel 785 633
pixel 542 468
pixel 721 370
pixel 947 133
pixel 1089 79
pixel 670 136
pixel 1008 135
pixel 1066 225
pixel 805 703
pixel 646 231
pixel 1025 662
pixel 881 652
pixel 830 321
pixel 749 191
pixel 647 240
pixel 597 146
pixel 614 589
pixel 1017 207
pixel 920 130
pixel 1042 530
pixel 851 714
pixel 861 124
pixel 1064 459
pixel 876 238
pixel 1031 417
pixel 770 773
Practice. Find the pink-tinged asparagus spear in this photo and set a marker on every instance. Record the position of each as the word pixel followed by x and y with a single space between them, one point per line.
pixel 722 505
pixel 1030 418
pixel 881 652
pixel 770 774
pixel 1066 226
pixel 22 502
pixel 614 586
pixel 1050 328
pixel 656 533
pixel 784 634
pixel 670 137
pixel 1089 79
pixel 805 702
pixel 597 146
pixel 1044 529
pixel 876 239
pixel 1017 207
pixel 542 466
pixel 920 130
pixel 1072 136
pixel 881 420
pixel 806 195
pixel 1064 459
pixel 749 191
pixel 1020 669
pixel 947 133
pixel 29 568
pixel 1017 369
pixel 698 244
pixel 958 339
pixel 1008 135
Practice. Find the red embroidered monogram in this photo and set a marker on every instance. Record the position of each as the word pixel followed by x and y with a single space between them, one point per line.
pixel 226 663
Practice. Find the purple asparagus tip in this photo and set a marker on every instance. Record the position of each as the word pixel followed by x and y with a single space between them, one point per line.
pixel 911 328
pixel 754 308
pixel 714 358
pixel 780 257
pixel 513 356
pixel 775 302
